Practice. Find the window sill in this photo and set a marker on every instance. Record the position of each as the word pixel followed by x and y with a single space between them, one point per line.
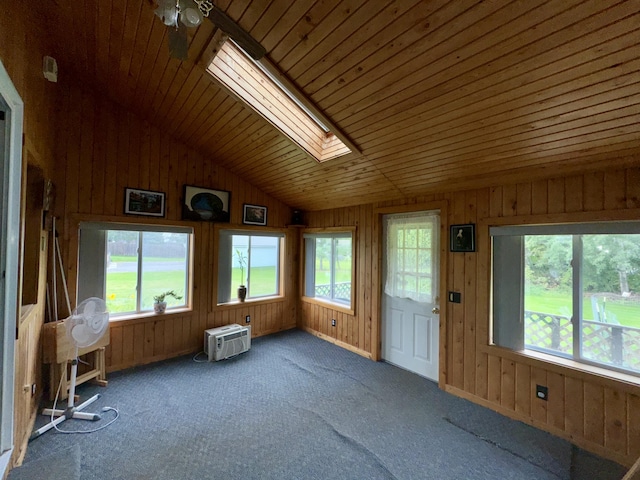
pixel 146 315
pixel 561 365
pixel 329 304
pixel 251 301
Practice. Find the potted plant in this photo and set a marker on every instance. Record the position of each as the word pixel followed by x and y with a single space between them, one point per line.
pixel 159 305
pixel 242 289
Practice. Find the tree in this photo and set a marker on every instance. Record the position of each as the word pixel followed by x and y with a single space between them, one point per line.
pixel 548 260
pixel 323 250
pixel 609 261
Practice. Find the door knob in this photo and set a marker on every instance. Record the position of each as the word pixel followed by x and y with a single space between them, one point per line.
pixel 435 310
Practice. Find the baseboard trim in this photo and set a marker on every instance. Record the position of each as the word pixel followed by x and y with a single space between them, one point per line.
pixel 148 360
pixel 339 343
pixel 600 450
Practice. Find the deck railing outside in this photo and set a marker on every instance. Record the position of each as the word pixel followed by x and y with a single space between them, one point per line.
pixel 342 291
pixel 606 343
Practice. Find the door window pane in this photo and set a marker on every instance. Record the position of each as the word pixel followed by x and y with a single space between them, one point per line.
pixel 409 261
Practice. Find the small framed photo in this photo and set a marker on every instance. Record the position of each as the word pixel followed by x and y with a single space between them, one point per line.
pixel 144 202
pixel 463 238
pixel 254 215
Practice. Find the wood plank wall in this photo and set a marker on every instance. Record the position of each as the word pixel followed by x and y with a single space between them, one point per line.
pixel 599 414
pixel 355 332
pixel 21 51
pixel 102 148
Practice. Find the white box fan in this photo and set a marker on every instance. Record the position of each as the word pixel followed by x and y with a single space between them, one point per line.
pixel 226 342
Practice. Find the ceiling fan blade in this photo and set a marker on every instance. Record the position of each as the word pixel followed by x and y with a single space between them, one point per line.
pixel 178 43
pixel 236 32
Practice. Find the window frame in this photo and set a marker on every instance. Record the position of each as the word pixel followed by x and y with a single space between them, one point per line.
pixel 329 233
pixel 279 233
pixel 574 226
pixel 105 226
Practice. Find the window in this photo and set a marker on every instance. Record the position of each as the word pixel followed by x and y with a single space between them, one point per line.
pixel 250 259
pixel 410 264
pixel 570 291
pixel 329 267
pixel 128 265
pixel 255 83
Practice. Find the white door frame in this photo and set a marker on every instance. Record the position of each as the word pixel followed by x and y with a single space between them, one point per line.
pixel 11 166
pixel 441 205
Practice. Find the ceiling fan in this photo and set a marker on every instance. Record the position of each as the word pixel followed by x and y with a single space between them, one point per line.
pixel 180 15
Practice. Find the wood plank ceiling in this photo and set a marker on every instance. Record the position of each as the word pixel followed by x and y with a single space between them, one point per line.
pixel 438 94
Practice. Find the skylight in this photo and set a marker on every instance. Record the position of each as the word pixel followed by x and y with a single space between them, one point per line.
pixel 259 87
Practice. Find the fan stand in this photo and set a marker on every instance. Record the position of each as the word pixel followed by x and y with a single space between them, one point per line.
pixel 71 411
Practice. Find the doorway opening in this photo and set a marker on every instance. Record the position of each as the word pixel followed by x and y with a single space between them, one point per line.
pixel 11 108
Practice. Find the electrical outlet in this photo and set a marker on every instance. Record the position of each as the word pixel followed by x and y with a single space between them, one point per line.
pixel 247 319
pixel 542 392
pixel 333 322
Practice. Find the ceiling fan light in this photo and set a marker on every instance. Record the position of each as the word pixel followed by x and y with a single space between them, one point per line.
pixel 170 16
pixel 191 16
pixel 167 12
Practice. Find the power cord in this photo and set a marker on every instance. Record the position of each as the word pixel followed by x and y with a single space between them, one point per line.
pixel 104 409
pixel 197 360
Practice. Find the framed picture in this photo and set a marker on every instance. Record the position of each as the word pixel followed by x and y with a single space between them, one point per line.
pixel 254 215
pixel 144 202
pixel 205 204
pixel 463 238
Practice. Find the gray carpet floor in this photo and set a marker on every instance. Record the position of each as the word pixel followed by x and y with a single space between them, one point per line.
pixel 297 407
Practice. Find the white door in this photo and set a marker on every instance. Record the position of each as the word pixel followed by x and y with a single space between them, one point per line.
pixel 410 308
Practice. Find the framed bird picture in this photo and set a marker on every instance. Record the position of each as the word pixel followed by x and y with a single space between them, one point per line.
pixel 462 238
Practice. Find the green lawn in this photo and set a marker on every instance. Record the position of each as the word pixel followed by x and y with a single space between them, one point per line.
pixel 122 259
pixel 627 312
pixel 263 281
pixel 121 289
pixel 323 277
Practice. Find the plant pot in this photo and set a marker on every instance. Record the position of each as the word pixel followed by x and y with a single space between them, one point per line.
pixel 242 293
pixel 159 307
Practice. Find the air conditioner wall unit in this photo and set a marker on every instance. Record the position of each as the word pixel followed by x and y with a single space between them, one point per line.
pixel 226 342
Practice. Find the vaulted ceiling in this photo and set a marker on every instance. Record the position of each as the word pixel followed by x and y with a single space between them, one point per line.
pixel 438 95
